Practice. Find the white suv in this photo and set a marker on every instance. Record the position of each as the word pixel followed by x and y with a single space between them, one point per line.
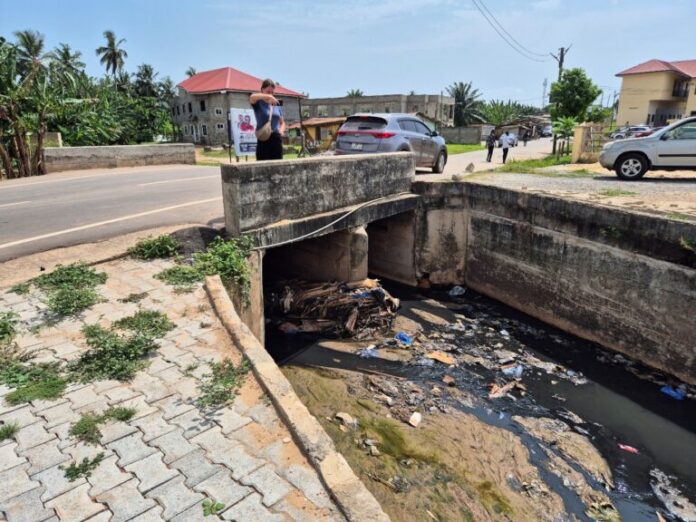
pixel 671 148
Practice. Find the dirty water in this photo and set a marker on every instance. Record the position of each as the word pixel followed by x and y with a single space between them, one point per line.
pixel 552 440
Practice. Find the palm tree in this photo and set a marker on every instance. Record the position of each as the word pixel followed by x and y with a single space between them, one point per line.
pixel 564 128
pixel 165 89
pixel 65 60
pixel 111 55
pixel 123 82
pixel 467 105
pixel 145 84
pixel 500 113
pixel 30 47
pixel 355 93
pixel 191 72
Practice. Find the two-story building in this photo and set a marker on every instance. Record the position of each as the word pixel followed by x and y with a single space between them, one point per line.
pixel 435 107
pixel 656 92
pixel 204 100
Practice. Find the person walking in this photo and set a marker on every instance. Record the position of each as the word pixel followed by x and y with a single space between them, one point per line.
pixel 267 108
pixel 526 137
pixel 490 143
pixel 505 141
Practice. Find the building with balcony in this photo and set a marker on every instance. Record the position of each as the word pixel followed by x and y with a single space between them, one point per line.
pixel 657 92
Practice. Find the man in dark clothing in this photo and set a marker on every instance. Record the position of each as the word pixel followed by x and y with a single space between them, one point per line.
pixel 490 143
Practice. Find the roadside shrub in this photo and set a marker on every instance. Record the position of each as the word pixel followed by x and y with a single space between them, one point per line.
pixel 155 247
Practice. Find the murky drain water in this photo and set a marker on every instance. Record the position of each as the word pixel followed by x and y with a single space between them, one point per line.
pixel 645 438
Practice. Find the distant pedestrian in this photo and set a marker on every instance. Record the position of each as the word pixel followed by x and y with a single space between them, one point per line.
pixel 267 107
pixel 526 136
pixel 505 141
pixel 490 143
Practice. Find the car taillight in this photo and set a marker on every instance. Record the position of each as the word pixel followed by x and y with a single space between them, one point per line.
pixel 382 135
pixel 377 134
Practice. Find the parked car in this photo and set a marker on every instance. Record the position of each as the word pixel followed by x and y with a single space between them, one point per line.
pixel 628 132
pixel 648 132
pixel 670 148
pixel 547 131
pixel 392 132
pixel 514 140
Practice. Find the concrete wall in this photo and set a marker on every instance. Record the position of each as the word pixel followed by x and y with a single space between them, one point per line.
pixel 621 279
pixel 392 247
pixel 262 193
pixel 466 135
pixel 79 158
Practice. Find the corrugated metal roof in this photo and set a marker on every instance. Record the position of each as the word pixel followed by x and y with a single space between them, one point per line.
pixel 685 67
pixel 228 79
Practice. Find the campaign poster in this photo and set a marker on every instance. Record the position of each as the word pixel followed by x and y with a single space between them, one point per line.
pixel 243 126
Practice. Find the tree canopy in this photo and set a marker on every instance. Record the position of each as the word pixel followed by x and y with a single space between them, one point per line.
pixel 572 95
pixel 467 104
pixel 355 93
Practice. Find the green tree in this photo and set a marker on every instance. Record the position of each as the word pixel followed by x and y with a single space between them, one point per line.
pixel 191 72
pixel 564 128
pixel 111 55
pixel 499 113
pixel 145 83
pixel 598 114
pixel 30 50
pixel 355 93
pixel 467 108
pixel 64 60
pixel 573 94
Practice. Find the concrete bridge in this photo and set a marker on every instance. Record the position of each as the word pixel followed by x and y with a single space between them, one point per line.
pixel 622 279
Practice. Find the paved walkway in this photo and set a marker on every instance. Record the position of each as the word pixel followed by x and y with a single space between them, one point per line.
pixel 163 463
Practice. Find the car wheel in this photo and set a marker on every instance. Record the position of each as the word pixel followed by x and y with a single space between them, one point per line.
pixel 631 167
pixel 439 166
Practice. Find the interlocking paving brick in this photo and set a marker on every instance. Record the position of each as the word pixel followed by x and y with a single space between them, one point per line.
pixel 173 406
pixel 125 501
pixel 20 415
pixel 173 445
pixel 193 423
pixel 130 449
pixel 107 476
pixel 55 483
pixel 151 387
pixel 102 386
pixel 175 497
pixel 114 430
pixel 268 483
pixel 250 509
pixel 75 504
pixel 307 481
pixel 265 415
pixel 26 507
pixel 193 514
pixel 66 350
pixel 43 456
pixel 33 435
pixel 58 414
pixel 168 350
pixel 229 420
pixel 120 394
pixel 41 404
pixel 228 452
pixel 157 364
pixel 9 458
pixel 16 481
pixel 195 467
pixel 140 405
pixel 153 426
pixel 223 489
pixel 104 516
pixel 151 515
pixel 151 472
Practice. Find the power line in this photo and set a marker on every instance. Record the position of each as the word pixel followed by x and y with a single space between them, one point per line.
pixel 525 49
pixel 502 35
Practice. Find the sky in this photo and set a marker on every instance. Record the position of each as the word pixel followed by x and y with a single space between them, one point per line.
pixel 327 47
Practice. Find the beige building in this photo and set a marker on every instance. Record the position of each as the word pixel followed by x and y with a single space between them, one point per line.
pixel 656 92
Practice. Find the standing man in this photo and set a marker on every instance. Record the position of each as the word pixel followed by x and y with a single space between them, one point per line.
pixel 490 143
pixel 266 106
pixel 505 141
pixel 527 135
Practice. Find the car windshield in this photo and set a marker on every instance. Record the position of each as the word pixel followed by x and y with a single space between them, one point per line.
pixel 355 123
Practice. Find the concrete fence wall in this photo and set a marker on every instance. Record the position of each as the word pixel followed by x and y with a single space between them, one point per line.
pixel 79 158
pixel 263 193
pixel 464 135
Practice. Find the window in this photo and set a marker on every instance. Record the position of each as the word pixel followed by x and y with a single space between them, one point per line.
pixel 387 109
pixel 204 129
pixel 178 112
pixel 173 111
pixel 183 108
pixel 684 132
pixel 202 103
pixel 407 125
pixel 421 128
pixel 220 126
pixel 322 110
pixel 218 111
pixel 185 131
pixel 190 107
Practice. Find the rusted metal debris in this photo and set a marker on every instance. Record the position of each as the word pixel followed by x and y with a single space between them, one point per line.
pixel 359 309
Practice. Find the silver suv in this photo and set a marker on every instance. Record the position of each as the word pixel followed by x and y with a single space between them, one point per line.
pixel 670 148
pixel 387 132
pixel 628 132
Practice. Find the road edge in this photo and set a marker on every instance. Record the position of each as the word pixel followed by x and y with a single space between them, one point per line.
pixel 352 497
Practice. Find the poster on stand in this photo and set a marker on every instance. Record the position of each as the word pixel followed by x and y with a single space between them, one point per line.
pixel 242 124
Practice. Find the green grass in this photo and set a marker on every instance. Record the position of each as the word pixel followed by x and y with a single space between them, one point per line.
pixel 21 288
pixel 611 193
pixel 146 322
pixel 49 388
pixel 155 247
pixel 87 428
pixel 71 288
pixel 84 469
pixel 219 387
pixel 8 327
pixel 133 297
pixel 459 148
pixel 8 431
pixel 530 166
pixel 31 381
pixel 181 276
pixel 71 301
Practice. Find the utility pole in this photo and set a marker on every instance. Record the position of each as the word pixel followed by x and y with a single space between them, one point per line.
pixel 561 60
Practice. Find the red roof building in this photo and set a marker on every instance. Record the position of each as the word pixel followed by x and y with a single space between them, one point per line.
pixel 228 79
pixel 684 67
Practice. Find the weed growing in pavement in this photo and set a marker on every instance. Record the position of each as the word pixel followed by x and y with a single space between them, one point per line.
pixel 211 507
pixel 133 298
pixel 190 368
pixel 70 301
pixel 8 431
pixel 84 469
pixel 611 233
pixel 51 386
pixel 70 288
pixel 8 327
pixel 87 428
pixel 688 244
pixel 155 247
pixel 147 322
pixel 31 381
pixel 219 387
pixel 611 193
pixel 181 276
pixel 21 288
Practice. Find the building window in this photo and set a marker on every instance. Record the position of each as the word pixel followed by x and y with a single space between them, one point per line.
pixel 218 111
pixel 220 126
pixel 387 109
pixel 183 108
pixel 204 129
pixel 202 105
pixel 190 107
pixel 185 131
pixel 322 110
pixel 177 110
pixel 173 111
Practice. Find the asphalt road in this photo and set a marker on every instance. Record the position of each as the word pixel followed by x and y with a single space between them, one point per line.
pixel 39 214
